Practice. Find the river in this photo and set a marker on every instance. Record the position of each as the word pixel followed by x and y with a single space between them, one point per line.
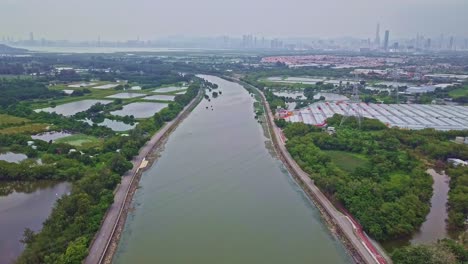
pixel 24 205
pixel 217 195
pixel 435 226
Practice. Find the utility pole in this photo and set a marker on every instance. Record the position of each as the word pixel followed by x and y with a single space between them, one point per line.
pixel 356 101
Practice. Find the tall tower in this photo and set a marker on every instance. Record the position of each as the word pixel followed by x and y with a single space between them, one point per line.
pixel 377 36
pixel 441 41
pixel 417 41
pixel 31 36
pixel 387 34
pixel 451 43
pixel 428 43
pixel 353 108
pixel 395 76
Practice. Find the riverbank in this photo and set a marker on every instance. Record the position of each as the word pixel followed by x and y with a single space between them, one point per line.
pixel 217 194
pixel 25 205
pixel 106 240
pixel 361 248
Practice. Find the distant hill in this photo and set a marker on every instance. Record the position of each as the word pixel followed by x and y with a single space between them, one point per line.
pixel 7 49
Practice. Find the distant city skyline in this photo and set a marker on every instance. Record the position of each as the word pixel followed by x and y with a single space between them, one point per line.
pixel 120 20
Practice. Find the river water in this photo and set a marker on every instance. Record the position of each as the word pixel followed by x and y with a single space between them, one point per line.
pixel 217 195
pixel 435 226
pixel 24 205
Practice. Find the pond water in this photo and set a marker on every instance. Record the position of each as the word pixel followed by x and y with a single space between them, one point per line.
pixel 68 92
pixel 126 95
pixel 78 85
pixel 160 97
pixel 24 205
pixel 293 95
pixel 291 106
pixel 140 110
pixel 331 97
pixel 118 126
pixel 53 135
pixel 218 195
pixel 106 86
pixel 12 157
pixel 72 108
pixel 169 89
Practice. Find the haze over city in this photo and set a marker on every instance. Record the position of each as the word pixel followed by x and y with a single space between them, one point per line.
pixel 234 131
pixel 122 19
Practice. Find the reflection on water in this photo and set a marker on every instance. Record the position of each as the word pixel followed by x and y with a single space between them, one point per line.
pixel 24 205
pixel 217 195
pixel 435 226
pixel 13 157
pixel 140 110
pixel 72 108
pixel 115 125
pixel 53 135
pixel 126 95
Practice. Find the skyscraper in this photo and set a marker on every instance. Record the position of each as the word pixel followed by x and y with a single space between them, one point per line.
pixel 31 36
pixel 451 43
pixel 417 41
pixel 428 43
pixel 377 36
pixel 387 33
pixel 441 41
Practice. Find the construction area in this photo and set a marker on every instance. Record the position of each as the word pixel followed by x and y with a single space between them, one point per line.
pixel 407 116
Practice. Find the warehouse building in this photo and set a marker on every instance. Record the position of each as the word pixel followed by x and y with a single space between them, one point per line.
pixel 408 116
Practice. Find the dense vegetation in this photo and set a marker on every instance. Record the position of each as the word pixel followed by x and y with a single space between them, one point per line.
pixel 66 234
pixel 445 251
pixel 458 197
pixel 389 195
pixel 18 89
pixel 94 172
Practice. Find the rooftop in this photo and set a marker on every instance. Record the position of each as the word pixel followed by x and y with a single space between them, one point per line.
pixel 408 116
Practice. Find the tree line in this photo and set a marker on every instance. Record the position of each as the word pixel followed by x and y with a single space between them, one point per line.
pixel 67 233
pixel 389 193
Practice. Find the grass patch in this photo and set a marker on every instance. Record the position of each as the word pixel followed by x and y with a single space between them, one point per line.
pixel 11 120
pixel 460 92
pixel 25 129
pixel 346 161
pixel 80 140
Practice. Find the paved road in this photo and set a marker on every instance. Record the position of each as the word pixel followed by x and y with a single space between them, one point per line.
pixel 108 226
pixel 350 229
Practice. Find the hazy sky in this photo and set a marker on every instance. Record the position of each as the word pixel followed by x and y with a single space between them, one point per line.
pixel 149 19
